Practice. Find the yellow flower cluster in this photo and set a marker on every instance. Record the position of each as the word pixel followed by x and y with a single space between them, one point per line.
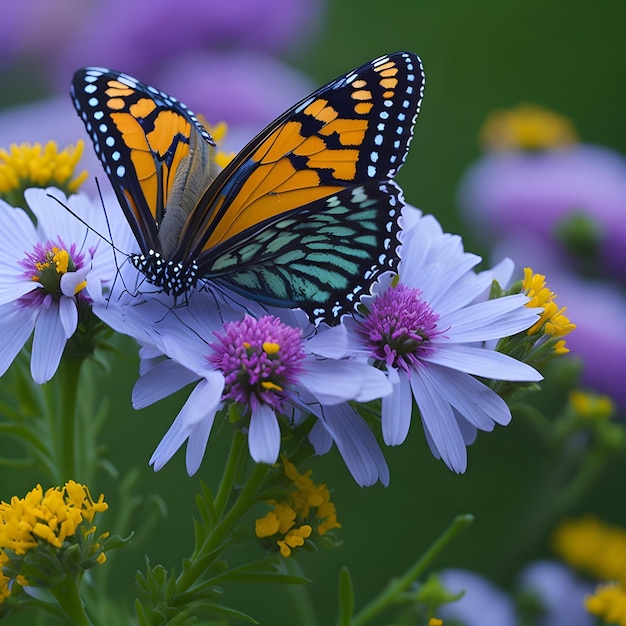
pixel 218 132
pixel 527 127
pixel 45 518
pixel 600 550
pixel 553 321
pixel 609 603
pixel 295 517
pixel 29 165
pixel 593 546
pixel 592 406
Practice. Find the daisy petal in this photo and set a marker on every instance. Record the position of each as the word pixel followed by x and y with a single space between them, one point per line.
pixel 68 314
pixel 196 416
pixel 481 362
pixel 478 404
pixel 264 435
pixel 162 380
pixel 48 344
pixel 438 419
pixel 356 444
pixel 16 325
pixel 396 411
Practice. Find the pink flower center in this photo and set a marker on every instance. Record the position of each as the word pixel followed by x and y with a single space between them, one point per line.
pixel 399 326
pixel 260 360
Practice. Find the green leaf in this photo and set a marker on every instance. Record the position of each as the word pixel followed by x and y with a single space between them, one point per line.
pixel 346 597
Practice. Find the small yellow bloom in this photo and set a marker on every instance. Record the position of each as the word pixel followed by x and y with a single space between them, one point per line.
pixel 31 165
pixel 218 132
pixel 609 603
pixel 553 321
pixel 433 621
pixel 593 546
pixel 294 518
pixel 39 524
pixel 294 539
pixel 5 591
pixel 52 516
pixel 527 127
pixel 591 405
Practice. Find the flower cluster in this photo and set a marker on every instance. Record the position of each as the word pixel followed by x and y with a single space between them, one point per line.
pixel 39 530
pixel 301 513
pixel 599 549
pixel 27 166
pixel 427 334
pixel 543 198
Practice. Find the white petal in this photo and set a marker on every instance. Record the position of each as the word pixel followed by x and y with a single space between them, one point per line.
pixel 16 325
pixel 48 344
pixel 15 289
pixel 396 412
pixel 18 235
pixel 356 444
pixel 331 343
pixel 70 281
pixel 320 438
pixel 164 379
pixel 264 435
pixel 478 404
pixel 438 419
pixel 330 381
pixel 197 415
pixel 488 320
pixel 482 362
pixel 68 314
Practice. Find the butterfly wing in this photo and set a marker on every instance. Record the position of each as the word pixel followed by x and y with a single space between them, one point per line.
pixel 145 140
pixel 306 215
pixel 353 130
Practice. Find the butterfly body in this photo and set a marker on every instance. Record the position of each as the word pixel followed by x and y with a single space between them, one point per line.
pixel 306 215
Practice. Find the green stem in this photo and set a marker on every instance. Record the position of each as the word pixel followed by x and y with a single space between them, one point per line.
pixel 226 485
pixel 300 596
pixel 67 461
pixel 245 500
pixel 388 596
pixel 68 597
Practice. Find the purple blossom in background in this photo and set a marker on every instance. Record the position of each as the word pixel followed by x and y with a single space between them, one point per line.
pixel 483 604
pixel 528 194
pixel 517 200
pixel 560 593
pixel 138 37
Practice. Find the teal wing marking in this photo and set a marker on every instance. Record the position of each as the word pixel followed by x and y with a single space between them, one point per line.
pixel 329 251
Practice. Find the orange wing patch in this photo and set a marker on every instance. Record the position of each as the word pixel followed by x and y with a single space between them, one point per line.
pixel 147 149
pixel 277 185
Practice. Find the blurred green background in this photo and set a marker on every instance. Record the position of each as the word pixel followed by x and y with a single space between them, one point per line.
pixel 478 56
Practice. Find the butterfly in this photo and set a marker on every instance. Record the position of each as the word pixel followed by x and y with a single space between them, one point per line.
pixel 306 215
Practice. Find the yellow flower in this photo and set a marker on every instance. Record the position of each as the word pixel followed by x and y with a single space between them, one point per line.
pixel 31 165
pixel 52 516
pixel 593 546
pixel 5 590
pixel 293 519
pixel 592 405
pixel 527 127
pixel 553 321
pixel 609 603
pixel 218 132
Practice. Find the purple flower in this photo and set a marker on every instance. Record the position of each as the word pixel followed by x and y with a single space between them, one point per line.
pixel 264 366
pixel 560 593
pixel 433 333
pixel 482 604
pixel 148 33
pixel 526 195
pixel 46 272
